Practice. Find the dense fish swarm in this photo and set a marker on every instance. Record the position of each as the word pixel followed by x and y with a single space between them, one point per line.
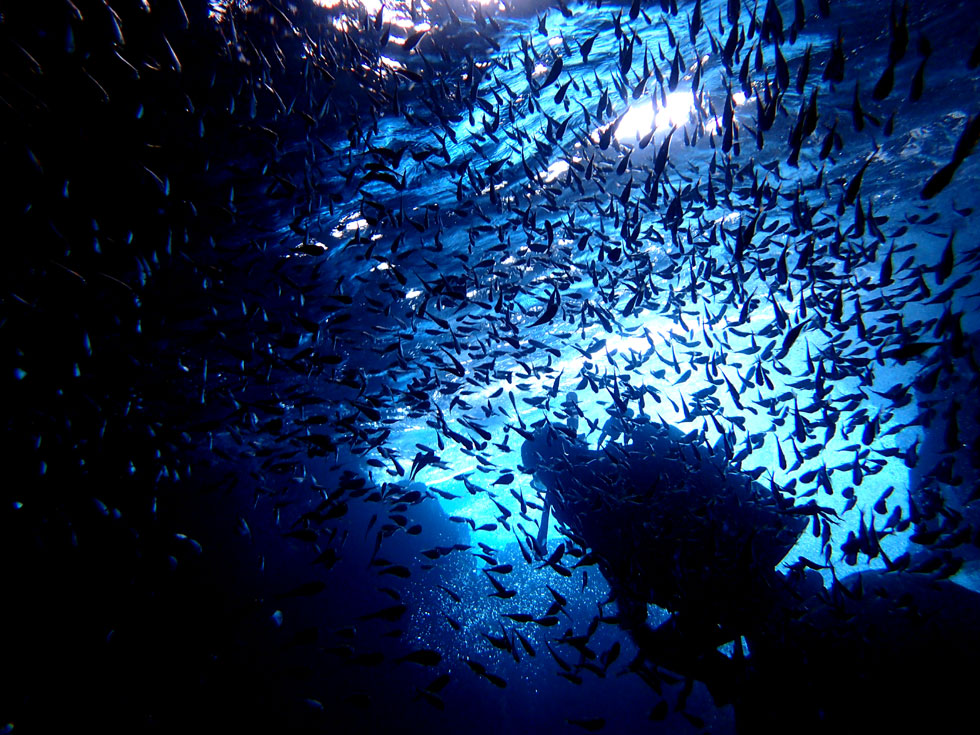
pixel 489 365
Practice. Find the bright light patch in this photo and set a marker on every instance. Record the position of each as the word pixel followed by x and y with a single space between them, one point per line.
pixel 396 16
pixel 555 170
pixel 713 125
pixel 391 63
pixel 416 27
pixel 349 223
pixel 677 112
pixel 640 119
pixel 405 21
pixel 371 6
pixel 636 122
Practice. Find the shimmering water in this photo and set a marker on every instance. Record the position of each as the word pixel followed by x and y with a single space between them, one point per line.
pixel 275 265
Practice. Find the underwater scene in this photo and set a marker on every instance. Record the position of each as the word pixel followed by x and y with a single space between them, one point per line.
pixel 471 366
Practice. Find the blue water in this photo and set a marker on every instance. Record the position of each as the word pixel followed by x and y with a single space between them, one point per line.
pixel 263 295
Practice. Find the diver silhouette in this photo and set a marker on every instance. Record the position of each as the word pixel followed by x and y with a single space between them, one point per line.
pixel 615 426
pixel 672 523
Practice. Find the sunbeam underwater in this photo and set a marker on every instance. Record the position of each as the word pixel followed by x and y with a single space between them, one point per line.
pixel 472 366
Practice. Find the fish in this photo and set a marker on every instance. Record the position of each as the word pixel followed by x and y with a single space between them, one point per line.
pixel 423 657
pixel 553 73
pixel 964 146
pixel 363 266
pixel 413 40
pixel 550 309
pixel 586 47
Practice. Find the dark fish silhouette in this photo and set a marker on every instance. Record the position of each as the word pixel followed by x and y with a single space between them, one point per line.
pixel 964 146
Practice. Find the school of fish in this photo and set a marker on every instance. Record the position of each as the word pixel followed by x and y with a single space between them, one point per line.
pixel 289 283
